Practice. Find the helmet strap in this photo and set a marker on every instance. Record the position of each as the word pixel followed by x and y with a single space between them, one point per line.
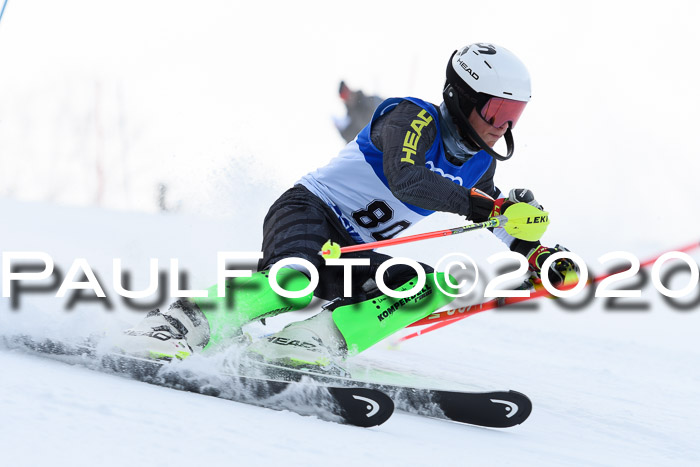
pixel 508 136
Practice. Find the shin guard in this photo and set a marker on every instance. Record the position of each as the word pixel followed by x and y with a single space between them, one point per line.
pixel 366 323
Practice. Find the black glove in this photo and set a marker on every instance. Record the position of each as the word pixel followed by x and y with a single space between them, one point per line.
pixel 480 205
pixel 483 207
pixel 521 195
pixel 558 269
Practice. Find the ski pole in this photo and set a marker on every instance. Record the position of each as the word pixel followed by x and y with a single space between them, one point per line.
pixel 520 220
pixel 443 318
pixel 332 250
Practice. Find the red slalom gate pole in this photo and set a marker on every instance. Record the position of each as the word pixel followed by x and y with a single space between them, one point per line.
pixel 443 318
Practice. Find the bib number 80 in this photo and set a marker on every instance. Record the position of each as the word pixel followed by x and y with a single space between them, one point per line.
pixel 378 212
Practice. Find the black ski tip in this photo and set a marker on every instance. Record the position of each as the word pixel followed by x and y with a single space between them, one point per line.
pixel 363 407
pixel 499 409
pixel 518 414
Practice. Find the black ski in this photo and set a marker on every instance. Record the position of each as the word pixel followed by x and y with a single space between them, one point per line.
pixel 364 407
pixel 496 409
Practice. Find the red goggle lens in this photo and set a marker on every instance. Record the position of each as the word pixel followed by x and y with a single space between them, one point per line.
pixel 498 111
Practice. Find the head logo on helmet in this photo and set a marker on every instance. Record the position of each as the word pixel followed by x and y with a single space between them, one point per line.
pixel 467 69
pixel 491 80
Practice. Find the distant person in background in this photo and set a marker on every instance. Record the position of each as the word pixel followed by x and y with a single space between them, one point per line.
pixel 360 109
pixel 162 199
pixel 162 193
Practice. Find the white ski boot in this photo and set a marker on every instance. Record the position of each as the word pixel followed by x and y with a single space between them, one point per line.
pixel 174 334
pixel 314 344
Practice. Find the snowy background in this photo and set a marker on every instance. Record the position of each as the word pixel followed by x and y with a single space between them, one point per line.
pixel 228 103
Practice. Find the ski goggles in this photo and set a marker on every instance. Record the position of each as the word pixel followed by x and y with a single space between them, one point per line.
pixel 498 111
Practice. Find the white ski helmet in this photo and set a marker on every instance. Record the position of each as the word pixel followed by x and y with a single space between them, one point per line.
pixel 492 80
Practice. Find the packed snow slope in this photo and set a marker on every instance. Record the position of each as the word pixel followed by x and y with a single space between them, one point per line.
pixel 609 388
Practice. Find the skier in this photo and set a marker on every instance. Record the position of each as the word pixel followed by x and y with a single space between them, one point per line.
pixel 412 159
pixel 360 109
